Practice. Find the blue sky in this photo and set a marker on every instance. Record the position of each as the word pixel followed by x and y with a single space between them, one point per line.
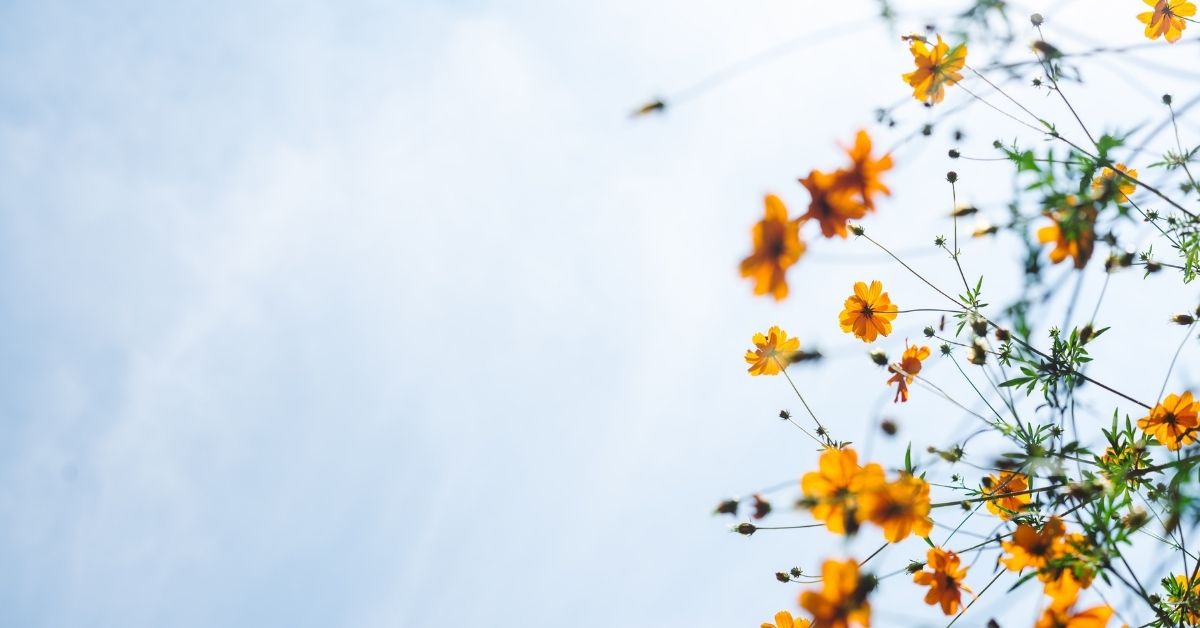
pixel 378 314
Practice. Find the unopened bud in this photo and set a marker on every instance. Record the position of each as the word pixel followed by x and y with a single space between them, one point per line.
pixel 1167 99
pixel 878 357
pixel 762 507
pixel 1002 334
pixel 1183 319
pixel 745 529
pixel 857 230
pixel 954 154
pixel 977 352
pixel 979 326
pixel 965 210
pixel 888 426
pixel 1036 19
pixel 782 577
pixel 952 176
pixel 727 507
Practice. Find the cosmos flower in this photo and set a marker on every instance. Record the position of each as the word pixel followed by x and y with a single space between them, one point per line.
pixel 771 352
pixel 904 371
pixel 1004 484
pixel 1167 18
pixel 938 67
pixel 868 312
pixel 1172 422
pixel 843 600
pixel 777 247
pixel 944 579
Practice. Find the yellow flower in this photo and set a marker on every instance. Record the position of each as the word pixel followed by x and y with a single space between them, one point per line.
pixel 868 312
pixel 777 246
pixel 937 67
pixel 772 352
pixel 843 601
pixel 1034 548
pixel 784 619
pixel 1121 187
pixel 1006 483
pixel 836 485
pixel 900 508
pixel 944 581
pixel 1187 601
pixel 1073 232
pixel 1172 422
pixel 1167 18
pixel 832 205
pixel 863 175
pixel 909 366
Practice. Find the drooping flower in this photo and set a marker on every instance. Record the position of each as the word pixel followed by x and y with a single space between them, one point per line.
pixel 868 312
pixel 1173 422
pixel 843 600
pixel 863 175
pixel 944 579
pixel 1120 187
pixel 1167 18
pixel 904 371
pixel 832 205
pixel 900 508
pixel 1073 232
pixel 836 486
pixel 784 619
pixel 777 247
pixel 938 67
pixel 1034 548
pixel 771 352
pixel 1004 485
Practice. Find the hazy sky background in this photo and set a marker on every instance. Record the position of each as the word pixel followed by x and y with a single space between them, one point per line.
pixel 385 314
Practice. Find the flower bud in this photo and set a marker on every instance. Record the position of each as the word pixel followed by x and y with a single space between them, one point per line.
pixel 1036 19
pixel 952 176
pixel 727 507
pixel 782 577
pixel 745 529
pixel 1002 334
pixel 1183 319
pixel 879 357
pixel 977 352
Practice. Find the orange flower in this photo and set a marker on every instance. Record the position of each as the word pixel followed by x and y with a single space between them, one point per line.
pixel 772 352
pixel 900 508
pixel 1167 18
pixel 1121 186
pixel 832 204
pixel 906 369
pixel 868 312
pixel 784 619
pixel 1065 617
pixel 843 601
pixel 863 174
pixel 1034 548
pixel 945 581
pixel 1172 422
pixel 777 246
pixel 937 67
pixel 835 486
pixel 1187 600
pixel 1073 232
pixel 1006 483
